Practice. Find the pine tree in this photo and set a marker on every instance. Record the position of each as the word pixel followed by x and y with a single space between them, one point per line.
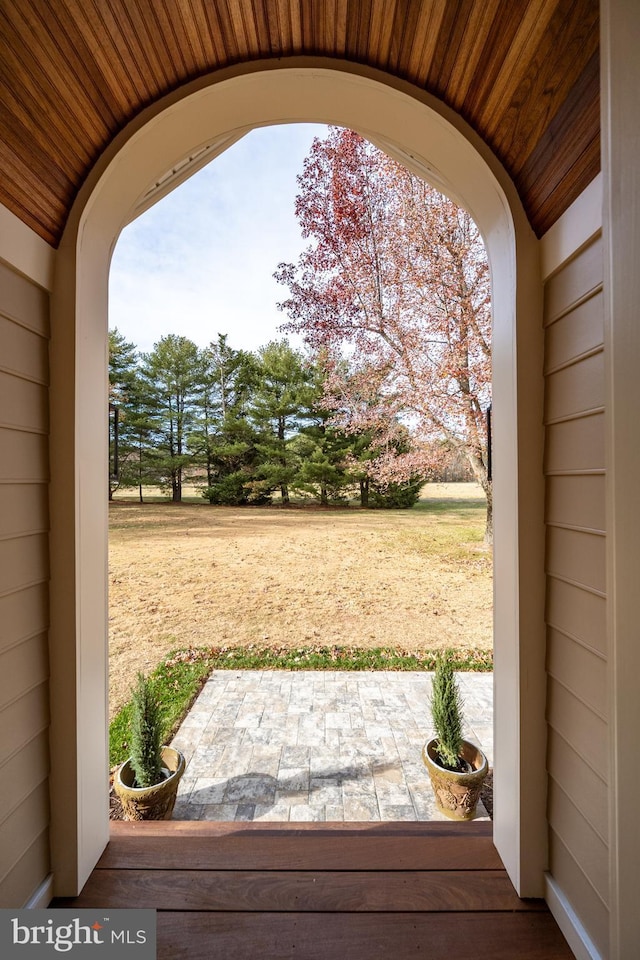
pixel 127 395
pixel 277 410
pixel 223 438
pixel 172 375
pixel 322 448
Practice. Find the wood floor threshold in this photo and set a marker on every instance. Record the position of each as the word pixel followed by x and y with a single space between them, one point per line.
pixel 218 828
pixel 262 891
pixel 366 846
pixel 330 891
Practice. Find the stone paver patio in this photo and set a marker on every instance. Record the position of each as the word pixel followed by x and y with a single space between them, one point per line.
pixel 317 745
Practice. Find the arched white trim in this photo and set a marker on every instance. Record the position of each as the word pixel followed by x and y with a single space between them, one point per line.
pixel 435 143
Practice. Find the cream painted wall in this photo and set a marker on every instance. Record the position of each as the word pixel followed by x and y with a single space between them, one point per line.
pixel 577 707
pixel 577 887
pixel 435 143
pixel 620 41
pixel 612 633
pixel 26 270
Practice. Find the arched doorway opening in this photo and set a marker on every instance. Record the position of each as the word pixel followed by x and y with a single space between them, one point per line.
pixel 149 157
pixel 247 574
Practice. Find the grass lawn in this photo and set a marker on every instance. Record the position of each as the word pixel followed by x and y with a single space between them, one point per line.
pixel 193 575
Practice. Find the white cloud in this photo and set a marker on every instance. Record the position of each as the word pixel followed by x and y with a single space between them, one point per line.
pixel 200 262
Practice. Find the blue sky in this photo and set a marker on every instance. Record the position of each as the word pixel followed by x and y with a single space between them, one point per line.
pixel 200 262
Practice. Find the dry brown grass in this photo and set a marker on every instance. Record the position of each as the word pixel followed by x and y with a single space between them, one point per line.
pixel 198 575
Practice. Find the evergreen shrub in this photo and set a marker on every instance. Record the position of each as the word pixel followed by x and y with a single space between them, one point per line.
pixel 395 496
pixel 146 734
pixel 446 711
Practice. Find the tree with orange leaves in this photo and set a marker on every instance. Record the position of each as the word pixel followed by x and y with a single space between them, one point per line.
pixel 396 279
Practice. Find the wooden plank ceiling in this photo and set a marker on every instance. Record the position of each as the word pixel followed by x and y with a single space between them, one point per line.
pixel 523 73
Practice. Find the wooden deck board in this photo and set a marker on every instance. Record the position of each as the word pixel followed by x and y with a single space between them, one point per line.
pixel 309 936
pixel 147 846
pixel 321 892
pixel 353 891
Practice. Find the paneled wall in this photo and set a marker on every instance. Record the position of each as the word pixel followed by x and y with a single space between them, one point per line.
pixel 576 598
pixel 24 573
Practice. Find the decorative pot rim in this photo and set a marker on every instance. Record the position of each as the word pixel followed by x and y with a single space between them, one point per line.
pixel 470 752
pixel 177 761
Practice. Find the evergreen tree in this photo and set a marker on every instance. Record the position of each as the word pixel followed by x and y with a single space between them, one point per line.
pixel 358 398
pixel 142 465
pixel 207 415
pixel 123 358
pixel 135 454
pixel 172 375
pixel 281 395
pixel 123 361
pixel 224 439
pixel 322 448
pixel 396 494
pixel 362 452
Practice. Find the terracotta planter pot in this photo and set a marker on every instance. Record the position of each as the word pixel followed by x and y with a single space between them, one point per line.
pixel 456 794
pixel 150 803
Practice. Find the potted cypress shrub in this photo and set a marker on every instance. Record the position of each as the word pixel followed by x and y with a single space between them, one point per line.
pixel 147 783
pixel 457 768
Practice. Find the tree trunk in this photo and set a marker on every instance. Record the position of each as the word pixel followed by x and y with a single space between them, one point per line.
pixel 481 474
pixel 176 487
pixel 284 489
pixel 488 531
pixel 324 497
pixel 364 493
